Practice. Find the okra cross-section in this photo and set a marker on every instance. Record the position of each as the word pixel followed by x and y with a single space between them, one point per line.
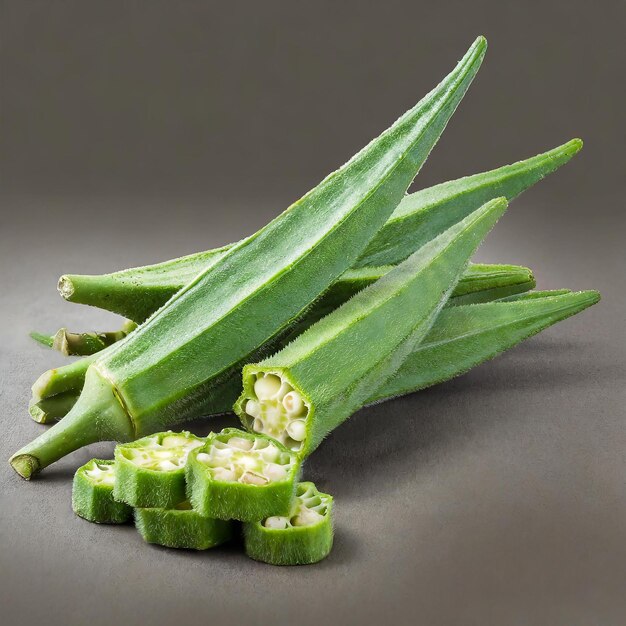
pixel 92 494
pixel 181 527
pixel 151 471
pixel 243 476
pixel 304 536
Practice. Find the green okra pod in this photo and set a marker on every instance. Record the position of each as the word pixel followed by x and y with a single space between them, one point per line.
pixel 304 536
pixel 151 470
pixel 307 389
pixel 224 316
pixel 464 336
pixel 92 494
pixel 238 475
pixel 182 527
pixel 137 292
pixel 51 409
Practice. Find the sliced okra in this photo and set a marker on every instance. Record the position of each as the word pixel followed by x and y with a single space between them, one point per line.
pixel 304 536
pixel 151 471
pixel 92 494
pixel 181 527
pixel 243 476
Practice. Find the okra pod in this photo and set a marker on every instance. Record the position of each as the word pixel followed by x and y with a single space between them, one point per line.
pixel 92 494
pixel 464 336
pixel 307 389
pixel 51 409
pixel 218 321
pixel 304 536
pixel 242 476
pixel 137 292
pixel 151 470
pixel 182 527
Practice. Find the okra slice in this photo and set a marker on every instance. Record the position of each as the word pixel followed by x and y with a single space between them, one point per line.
pixel 307 389
pixel 139 292
pixel 151 471
pixel 242 476
pixel 92 494
pixel 175 365
pixel 181 527
pixel 302 537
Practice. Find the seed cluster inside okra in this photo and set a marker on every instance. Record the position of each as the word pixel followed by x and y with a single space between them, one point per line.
pixel 249 461
pixel 101 474
pixel 278 410
pixel 310 508
pixel 165 454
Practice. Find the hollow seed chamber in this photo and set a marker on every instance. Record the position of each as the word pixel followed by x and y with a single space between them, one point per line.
pixel 151 471
pixel 181 527
pixel 304 536
pixel 92 494
pixel 242 476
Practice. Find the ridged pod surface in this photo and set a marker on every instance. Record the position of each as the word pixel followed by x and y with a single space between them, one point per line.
pixel 171 368
pixel 182 527
pixel 303 537
pixel 303 392
pixel 238 475
pixel 138 292
pixel 151 471
pixel 92 494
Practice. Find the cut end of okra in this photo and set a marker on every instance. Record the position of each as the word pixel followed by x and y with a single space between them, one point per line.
pixel 151 471
pixel 92 494
pixel 181 527
pixel 274 408
pixel 304 536
pixel 239 475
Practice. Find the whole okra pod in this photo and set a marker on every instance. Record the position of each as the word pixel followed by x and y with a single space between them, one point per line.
pixel 250 296
pixel 138 292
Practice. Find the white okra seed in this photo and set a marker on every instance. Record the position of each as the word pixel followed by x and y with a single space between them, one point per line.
pixel 257 426
pixel 276 522
pixel 224 474
pixel 241 443
pixel 253 408
pixel 252 478
pixel 297 430
pixel 275 472
pixel 293 403
pixel 203 457
pixel 306 517
pixel 267 387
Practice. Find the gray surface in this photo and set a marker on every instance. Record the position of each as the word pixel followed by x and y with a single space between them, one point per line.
pixel 497 498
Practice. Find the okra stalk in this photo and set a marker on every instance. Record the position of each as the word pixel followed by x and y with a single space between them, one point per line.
pixel 182 527
pixel 316 382
pixel 92 494
pixel 237 475
pixel 83 344
pixel 464 336
pixel 304 536
pixel 251 295
pixel 52 409
pixel 151 470
pixel 137 292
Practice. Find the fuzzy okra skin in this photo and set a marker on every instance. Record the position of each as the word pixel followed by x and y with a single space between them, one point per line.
pixel 151 470
pixel 182 527
pixel 92 494
pixel 138 292
pixel 303 392
pixel 173 367
pixel 465 336
pixel 304 536
pixel 479 283
pixel 242 476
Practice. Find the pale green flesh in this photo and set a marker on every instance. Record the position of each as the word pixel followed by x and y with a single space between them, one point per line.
pixel 251 462
pixel 100 474
pixel 166 454
pixel 310 507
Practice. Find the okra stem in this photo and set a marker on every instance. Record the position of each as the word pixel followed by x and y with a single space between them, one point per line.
pixel 50 410
pixel 98 415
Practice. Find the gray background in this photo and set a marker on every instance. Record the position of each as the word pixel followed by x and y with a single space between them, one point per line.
pixel 138 131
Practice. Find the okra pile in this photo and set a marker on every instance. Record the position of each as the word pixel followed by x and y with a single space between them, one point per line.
pixel 357 293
